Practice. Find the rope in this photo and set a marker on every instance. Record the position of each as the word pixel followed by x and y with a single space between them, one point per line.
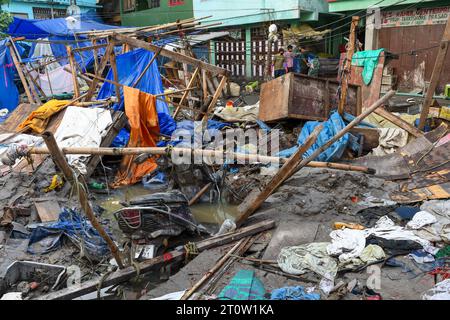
pixel 100 283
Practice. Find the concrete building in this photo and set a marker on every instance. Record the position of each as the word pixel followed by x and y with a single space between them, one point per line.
pixel 245 52
pixel 412 28
pixel 46 9
pixel 153 12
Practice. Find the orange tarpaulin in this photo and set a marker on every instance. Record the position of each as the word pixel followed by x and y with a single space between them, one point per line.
pixel 140 108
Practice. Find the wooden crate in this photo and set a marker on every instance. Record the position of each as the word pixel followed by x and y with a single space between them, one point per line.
pixel 295 96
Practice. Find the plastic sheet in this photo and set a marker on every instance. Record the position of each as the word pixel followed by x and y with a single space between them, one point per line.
pixel 330 128
pixel 71 224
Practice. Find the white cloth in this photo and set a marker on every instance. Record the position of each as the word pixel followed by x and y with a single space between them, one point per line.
pixel 61 81
pixel 347 244
pixel 172 296
pixel 82 127
pixel 385 228
pixel 439 231
pixel 391 139
pixel 44 52
pixel 441 291
pixel 421 219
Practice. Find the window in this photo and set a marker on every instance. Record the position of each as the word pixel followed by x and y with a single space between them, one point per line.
pixel 154 4
pixel 20 15
pixel 46 13
pixel 174 3
pixel 129 5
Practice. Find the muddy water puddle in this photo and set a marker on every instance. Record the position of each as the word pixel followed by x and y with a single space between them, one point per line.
pixel 208 214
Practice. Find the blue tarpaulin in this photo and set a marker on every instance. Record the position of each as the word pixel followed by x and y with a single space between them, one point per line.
pixel 71 224
pixel 129 67
pixel 35 29
pixel 9 94
pixel 330 128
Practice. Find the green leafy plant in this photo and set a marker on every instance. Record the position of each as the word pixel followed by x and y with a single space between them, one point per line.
pixel 5 19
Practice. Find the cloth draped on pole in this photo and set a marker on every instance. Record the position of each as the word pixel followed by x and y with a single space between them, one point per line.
pixel 140 108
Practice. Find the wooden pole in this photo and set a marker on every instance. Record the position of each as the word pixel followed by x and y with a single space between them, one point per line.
pixel 101 68
pixel 250 205
pixel 138 80
pixel 112 59
pixel 21 75
pixel 95 49
pixel 199 194
pixel 251 158
pixel 149 265
pixel 216 96
pixel 348 64
pixel 73 70
pixel 185 95
pixel 438 66
pixel 178 57
pixel 255 199
pixel 213 270
pixel 60 161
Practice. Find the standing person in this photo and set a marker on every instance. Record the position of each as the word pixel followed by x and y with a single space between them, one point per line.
pixel 289 56
pixel 304 68
pixel 278 63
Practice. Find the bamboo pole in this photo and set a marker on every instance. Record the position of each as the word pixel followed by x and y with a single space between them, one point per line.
pixel 21 75
pixel 251 158
pixel 60 161
pixel 213 270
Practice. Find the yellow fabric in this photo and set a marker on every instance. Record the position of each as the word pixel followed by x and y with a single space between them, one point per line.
pixel 140 108
pixel 38 120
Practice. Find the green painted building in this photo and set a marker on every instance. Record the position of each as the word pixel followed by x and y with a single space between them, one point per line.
pixel 153 12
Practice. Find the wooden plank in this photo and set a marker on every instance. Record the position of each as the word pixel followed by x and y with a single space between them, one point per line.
pixel 48 210
pixel 255 199
pixel 438 66
pixel 94 47
pixel 399 122
pixel 149 265
pixel 171 54
pixel 112 59
pixel 73 70
pixel 16 117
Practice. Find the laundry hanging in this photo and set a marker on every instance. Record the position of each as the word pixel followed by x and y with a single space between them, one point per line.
pixel 140 108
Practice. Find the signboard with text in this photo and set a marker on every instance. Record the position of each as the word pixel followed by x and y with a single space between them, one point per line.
pixel 415 17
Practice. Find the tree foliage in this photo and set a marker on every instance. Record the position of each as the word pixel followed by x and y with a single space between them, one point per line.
pixel 5 19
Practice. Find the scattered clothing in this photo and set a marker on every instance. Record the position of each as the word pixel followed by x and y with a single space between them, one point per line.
pixel 421 256
pixel 308 257
pixel 440 291
pixel 391 139
pixel 444 252
pixel 372 253
pixel 420 220
pixel 346 244
pixel 293 293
